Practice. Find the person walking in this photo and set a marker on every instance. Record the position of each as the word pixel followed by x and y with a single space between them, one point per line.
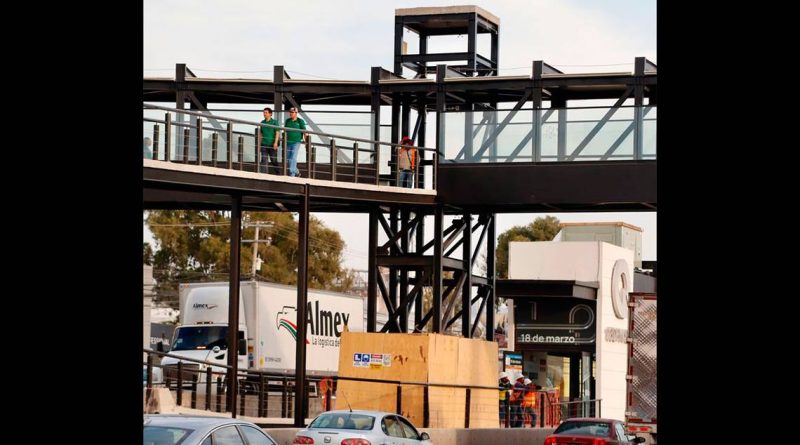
pixel 269 144
pixel 293 139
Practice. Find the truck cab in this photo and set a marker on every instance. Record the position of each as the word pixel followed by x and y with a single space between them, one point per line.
pixel 203 334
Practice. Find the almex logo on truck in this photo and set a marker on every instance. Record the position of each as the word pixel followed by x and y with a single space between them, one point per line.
pixel 282 320
pixel 325 326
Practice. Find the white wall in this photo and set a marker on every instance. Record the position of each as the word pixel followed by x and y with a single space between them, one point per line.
pixel 611 353
pixel 589 261
pixel 553 260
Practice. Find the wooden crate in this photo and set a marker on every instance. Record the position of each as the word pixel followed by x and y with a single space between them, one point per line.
pixel 422 358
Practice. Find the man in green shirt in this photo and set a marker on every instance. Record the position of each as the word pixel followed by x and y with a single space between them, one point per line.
pixel 269 144
pixel 293 139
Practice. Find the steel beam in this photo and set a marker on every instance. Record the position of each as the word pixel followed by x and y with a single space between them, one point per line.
pixel 466 291
pixel 437 269
pixel 372 272
pixel 233 303
pixel 302 306
pixel 490 277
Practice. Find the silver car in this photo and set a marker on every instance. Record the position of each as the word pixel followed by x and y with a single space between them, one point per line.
pixel 199 430
pixel 347 427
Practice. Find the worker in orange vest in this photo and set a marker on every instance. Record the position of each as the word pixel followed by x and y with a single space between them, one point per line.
pixel 406 161
pixel 529 403
pixel 325 385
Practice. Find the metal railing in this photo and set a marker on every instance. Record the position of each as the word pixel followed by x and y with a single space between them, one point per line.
pixel 580 408
pixel 191 137
pixel 261 393
pixel 551 135
pixel 548 411
pixel 199 384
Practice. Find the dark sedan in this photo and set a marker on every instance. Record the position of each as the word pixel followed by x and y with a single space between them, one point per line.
pixel 591 431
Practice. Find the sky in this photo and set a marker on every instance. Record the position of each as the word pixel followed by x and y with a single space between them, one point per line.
pixel 342 39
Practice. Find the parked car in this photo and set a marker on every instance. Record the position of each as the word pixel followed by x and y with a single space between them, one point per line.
pixel 591 431
pixel 347 427
pixel 200 430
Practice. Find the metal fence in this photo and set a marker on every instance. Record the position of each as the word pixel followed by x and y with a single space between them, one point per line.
pixel 190 137
pixel 202 385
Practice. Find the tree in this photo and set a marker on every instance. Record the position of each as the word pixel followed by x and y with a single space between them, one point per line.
pixel 541 229
pixel 195 246
pixel 147 254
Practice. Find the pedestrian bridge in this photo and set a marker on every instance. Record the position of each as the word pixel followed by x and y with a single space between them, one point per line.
pixel 584 159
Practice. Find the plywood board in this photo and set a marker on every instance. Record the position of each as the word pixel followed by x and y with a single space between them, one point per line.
pixel 404 356
pixel 365 395
pixel 443 359
pixel 446 407
pixel 484 408
pixel 481 360
pixel 412 404
pixel 431 358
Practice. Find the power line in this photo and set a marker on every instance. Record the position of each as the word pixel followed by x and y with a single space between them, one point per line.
pixel 211 71
pixel 286 230
pixel 190 224
pixel 607 64
pixel 312 75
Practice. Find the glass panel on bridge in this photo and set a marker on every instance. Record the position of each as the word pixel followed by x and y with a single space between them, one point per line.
pixel 549 135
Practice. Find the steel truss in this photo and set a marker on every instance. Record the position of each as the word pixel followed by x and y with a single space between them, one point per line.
pixel 414 265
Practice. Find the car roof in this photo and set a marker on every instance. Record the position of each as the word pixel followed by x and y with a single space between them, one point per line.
pixel 358 411
pixel 591 419
pixel 192 422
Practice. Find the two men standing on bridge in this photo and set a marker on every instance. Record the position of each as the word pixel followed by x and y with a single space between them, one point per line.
pixel 269 144
pixel 270 137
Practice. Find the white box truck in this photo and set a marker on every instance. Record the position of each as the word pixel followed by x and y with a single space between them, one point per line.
pixel 267 327
pixel 641 401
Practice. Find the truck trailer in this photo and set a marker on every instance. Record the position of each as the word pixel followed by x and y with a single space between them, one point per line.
pixel 641 404
pixel 267 327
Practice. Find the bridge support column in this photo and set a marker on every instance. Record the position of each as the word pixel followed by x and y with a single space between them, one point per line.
pixel 437 269
pixel 372 272
pixel 233 303
pixel 466 290
pixel 302 301
pixel 490 276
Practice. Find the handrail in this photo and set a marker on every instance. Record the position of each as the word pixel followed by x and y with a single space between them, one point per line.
pixel 241 121
pixel 192 126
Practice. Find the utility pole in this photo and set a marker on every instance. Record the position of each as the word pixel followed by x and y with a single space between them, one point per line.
pixel 258 225
pixel 255 253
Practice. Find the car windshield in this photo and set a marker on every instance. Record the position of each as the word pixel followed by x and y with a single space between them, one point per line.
pixel 344 421
pixel 200 337
pixel 597 429
pixel 161 435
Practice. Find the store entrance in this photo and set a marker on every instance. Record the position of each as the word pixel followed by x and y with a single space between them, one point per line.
pixel 571 374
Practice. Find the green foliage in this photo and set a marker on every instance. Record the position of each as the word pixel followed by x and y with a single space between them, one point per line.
pixel 195 246
pixel 542 229
pixel 147 254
